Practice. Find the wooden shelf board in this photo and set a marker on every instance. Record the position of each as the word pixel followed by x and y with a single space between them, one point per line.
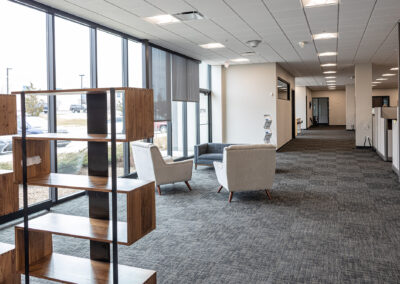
pixel 69 91
pixel 4 248
pixel 70 269
pixel 66 136
pixel 5 172
pixel 78 227
pixel 81 182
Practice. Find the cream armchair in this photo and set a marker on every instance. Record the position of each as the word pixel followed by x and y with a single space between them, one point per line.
pixel 247 168
pixel 151 166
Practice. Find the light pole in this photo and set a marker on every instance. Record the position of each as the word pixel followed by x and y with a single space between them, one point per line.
pixel 82 95
pixel 8 69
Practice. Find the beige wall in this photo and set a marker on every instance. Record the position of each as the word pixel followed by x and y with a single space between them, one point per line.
pixel 337 105
pixel 350 107
pixel 284 110
pixel 301 105
pixel 309 107
pixel 363 102
pixel 392 93
pixel 250 94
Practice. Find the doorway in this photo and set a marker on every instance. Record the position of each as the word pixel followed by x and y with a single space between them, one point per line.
pixel 320 108
pixel 380 101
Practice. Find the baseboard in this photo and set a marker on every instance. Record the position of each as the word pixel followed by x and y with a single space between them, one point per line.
pixel 396 171
pixel 363 147
pixel 383 157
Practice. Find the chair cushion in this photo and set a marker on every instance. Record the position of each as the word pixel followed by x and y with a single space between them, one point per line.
pixel 211 157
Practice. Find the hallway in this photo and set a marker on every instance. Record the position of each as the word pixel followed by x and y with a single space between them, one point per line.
pixel 334 217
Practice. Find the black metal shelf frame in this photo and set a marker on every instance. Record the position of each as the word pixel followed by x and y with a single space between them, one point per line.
pixel 97 202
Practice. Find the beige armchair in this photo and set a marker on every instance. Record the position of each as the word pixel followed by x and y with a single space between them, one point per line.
pixel 151 166
pixel 247 168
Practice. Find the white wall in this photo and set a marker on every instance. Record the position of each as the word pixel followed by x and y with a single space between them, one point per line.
pixel 301 105
pixel 350 107
pixel 250 93
pixel 218 103
pixel 337 105
pixel 392 93
pixel 363 99
pixel 284 110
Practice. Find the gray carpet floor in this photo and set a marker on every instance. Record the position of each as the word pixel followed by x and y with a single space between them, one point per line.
pixel 334 218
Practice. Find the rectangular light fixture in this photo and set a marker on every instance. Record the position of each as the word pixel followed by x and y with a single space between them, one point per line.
pixel 375 82
pixel 212 45
pixel 381 79
pixel 162 19
pixel 329 72
pixel 331 81
pixel 388 74
pixel 325 36
pixel 328 64
pixel 239 60
pixel 394 68
pixel 330 77
pixel 316 3
pixel 329 53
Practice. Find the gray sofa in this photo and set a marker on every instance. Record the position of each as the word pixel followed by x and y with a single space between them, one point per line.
pixel 207 153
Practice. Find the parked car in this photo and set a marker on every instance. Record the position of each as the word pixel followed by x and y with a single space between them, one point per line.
pixel 161 126
pixel 6 141
pixel 77 108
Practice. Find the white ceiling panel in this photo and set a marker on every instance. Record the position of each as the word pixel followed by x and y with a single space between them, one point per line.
pixel 366 30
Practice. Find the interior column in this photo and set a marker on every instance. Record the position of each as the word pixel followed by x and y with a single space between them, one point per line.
pixel 363 104
pixel 350 107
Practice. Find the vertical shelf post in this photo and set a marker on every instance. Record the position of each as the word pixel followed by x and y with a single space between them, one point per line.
pixel 114 186
pixel 25 187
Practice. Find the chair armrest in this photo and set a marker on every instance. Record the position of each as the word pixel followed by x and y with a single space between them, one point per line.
pixel 175 172
pixel 168 159
pixel 199 150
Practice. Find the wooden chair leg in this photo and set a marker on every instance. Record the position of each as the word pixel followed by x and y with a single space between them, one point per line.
pixel 219 189
pixel 159 189
pixel 188 185
pixel 268 194
pixel 230 196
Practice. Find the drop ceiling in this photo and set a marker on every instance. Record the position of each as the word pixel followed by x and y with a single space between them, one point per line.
pixel 367 31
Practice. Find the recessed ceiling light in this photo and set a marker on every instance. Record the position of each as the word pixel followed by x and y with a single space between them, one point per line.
pixel 328 65
pixel 331 81
pixel 373 85
pixel 329 72
pixel 162 19
pixel 330 77
pixel 394 68
pixel 316 3
pixel 324 36
pixel 240 60
pixel 388 75
pixel 248 53
pixel 381 79
pixel 375 82
pixel 212 45
pixel 329 53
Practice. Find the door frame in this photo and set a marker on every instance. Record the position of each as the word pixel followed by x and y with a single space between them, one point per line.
pixel 317 98
pixel 294 121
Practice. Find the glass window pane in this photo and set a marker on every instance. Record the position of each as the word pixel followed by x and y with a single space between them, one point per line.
pixel 135 64
pixel 161 136
pixel 203 71
pixel 204 125
pixel 72 43
pixel 191 127
pixel 177 129
pixel 23 54
pixel 109 60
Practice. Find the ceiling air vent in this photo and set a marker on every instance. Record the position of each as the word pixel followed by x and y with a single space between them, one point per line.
pixel 189 16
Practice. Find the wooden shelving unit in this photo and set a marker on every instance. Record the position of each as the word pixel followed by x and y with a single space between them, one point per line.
pixel 9 197
pixel 8 273
pixel 34 237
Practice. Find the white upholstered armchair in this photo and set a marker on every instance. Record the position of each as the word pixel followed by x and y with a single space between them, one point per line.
pixel 151 166
pixel 247 168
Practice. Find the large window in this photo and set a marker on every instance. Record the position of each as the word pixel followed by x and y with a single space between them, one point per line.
pixel 23 67
pixel 72 50
pixel 177 130
pixel 191 127
pixel 204 117
pixel 135 64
